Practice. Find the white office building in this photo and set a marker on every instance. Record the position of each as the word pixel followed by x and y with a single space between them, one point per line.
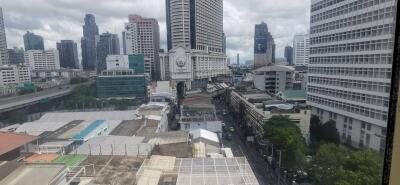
pixel 273 78
pixel 349 79
pixel 117 62
pixel 301 49
pixel 3 41
pixel 164 67
pixel 38 59
pixel 14 74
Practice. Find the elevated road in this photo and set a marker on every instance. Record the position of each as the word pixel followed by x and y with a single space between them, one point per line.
pixel 18 102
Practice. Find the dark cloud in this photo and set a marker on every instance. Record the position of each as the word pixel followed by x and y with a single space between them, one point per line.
pixel 62 19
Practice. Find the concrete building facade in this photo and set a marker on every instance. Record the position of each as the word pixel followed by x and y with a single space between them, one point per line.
pixel 14 74
pixel 349 75
pixel 273 79
pixel 3 41
pixel 301 50
pixel 39 59
pixel 142 36
pixel 195 42
pixel 259 107
pixel 68 52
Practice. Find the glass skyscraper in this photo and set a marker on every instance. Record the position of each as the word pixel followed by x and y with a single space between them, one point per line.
pixel 33 42
pixel 68 52
pixel 88 42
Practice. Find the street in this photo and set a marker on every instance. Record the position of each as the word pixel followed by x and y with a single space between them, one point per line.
pixel 264 175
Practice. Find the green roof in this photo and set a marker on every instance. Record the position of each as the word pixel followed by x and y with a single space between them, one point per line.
pixel 294 94
pixel 70 160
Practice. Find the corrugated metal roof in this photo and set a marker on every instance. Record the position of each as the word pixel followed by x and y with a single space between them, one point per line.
pixel 11 141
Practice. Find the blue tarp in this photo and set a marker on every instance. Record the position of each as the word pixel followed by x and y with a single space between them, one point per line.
pixel 88 130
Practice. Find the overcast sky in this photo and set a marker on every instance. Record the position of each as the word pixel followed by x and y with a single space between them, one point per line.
pixel 63 19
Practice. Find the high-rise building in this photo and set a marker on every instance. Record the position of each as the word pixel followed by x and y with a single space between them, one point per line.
pixel 16 56
pixel 39 59
pixel 142 36
pixel 88 42
pixel 238 59
pixel 349 73
pixel 264 46
pixel 68 52
pixel 195 24
pixel 301 49
pixel 3 41
pixel 289 55
pixel 195 42
pixel 33 41
pixel 224 43
pixel 108 44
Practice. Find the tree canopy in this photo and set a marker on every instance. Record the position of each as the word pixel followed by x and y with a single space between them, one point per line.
pixel 286 136
pixel 336 165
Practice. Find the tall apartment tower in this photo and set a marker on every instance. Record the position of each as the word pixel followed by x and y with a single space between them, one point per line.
pixel 195 24
pixel 88 43
pixel 289 55
pixel 264 46
pixel 68 52
pixel 108 44
pixel 3 41
pixel 349 73
pixel 224 43
pixel 301 49
pixel 142 36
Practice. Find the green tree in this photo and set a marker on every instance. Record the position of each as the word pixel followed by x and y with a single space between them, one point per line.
pixel 286 136
pixel 329 132
pixel 315 125
pixel 325 133
pixel 77 80
pixel 335 165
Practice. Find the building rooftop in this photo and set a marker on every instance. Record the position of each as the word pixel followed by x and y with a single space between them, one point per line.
pixel 152 108
pixel 34 173
pixel 120 170
pixel 198 113
pixel 88 129
pixel 12 141
pixel 204 134
pixel 7 167
pixel 115 145
pixel 70 160
pixel 294 94
pixel 41 158
pixel 128 127
pixel 274 68
pixel 65 125
pixel 168 137
pixel 196 171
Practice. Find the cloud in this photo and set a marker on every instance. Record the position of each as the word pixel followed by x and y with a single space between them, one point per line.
pixel 62 19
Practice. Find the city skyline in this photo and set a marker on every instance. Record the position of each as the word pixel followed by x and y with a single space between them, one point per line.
pixel 284 20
